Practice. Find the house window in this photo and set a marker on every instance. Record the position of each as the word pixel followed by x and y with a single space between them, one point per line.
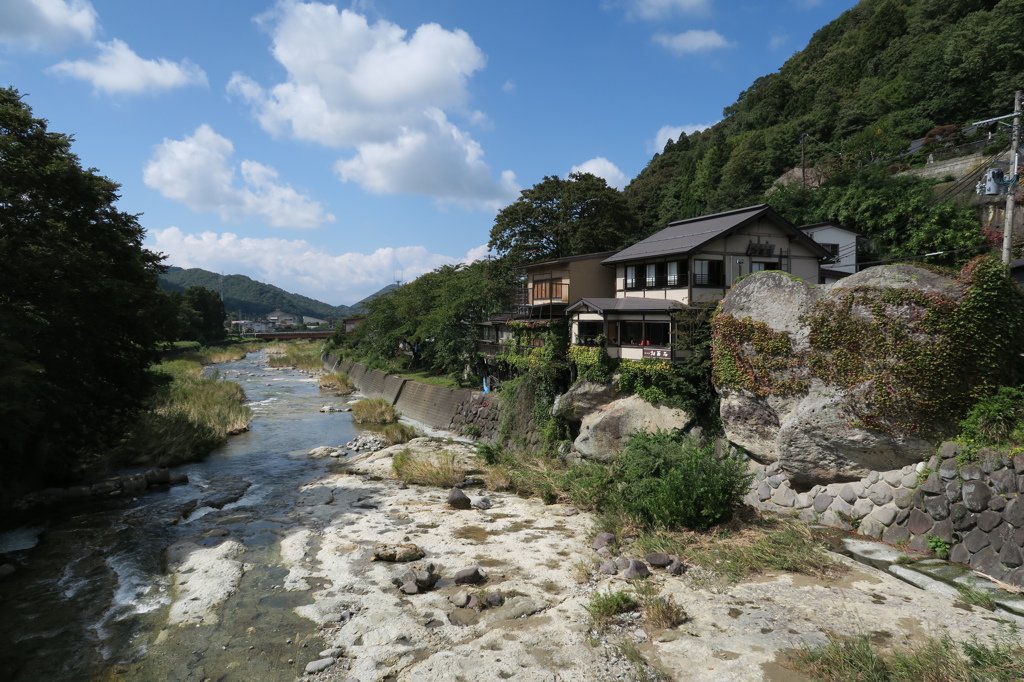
pixel 632 333
pixel 833 252
pixel 707 273
pixel 676 274
pixel 651 279
pixel 548 290
pixel 758 267
pixel 657 333
pixel 631 277
pixel 587 332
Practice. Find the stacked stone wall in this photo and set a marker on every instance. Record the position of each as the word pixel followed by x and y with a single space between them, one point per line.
pixel 977 507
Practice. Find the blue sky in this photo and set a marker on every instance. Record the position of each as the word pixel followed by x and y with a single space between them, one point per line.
pixel 332 148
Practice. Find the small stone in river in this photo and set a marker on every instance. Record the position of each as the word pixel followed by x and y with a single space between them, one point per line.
pixel 410 588
pixel 570 511
pixel 463 617
pixel 493 599
pixel 607 568
pixel 314 667
pixel 622 563
pixel 336 617
pixel 482 503
pixel 604 553
pixel 637 569
pixel 460 598
pixel 658 559
pixel 470 576
pixel 458 499
pixel 336 652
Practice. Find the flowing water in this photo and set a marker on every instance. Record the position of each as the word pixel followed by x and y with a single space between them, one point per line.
pixel 90 597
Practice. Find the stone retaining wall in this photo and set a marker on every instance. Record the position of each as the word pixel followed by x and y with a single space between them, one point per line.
pixel 978 508
pixel 438 407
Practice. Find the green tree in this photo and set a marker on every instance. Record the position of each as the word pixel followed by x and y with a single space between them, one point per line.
pixel 557 218
pixel 200 315
pixel 80 312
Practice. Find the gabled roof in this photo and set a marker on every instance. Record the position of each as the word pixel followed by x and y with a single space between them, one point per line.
pixel 829 223
pixel 632 304
pixel 684 236
pixel 567 259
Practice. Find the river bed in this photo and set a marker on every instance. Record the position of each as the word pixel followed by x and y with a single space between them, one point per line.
pixel 91 594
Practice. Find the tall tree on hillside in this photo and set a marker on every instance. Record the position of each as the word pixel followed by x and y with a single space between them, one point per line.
pixel 80 313
pixel 557 218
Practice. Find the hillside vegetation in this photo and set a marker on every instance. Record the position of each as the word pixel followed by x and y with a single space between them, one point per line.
pixel 250 298
pixel 882 74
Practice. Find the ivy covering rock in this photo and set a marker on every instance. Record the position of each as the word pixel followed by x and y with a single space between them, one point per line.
pixel 867 373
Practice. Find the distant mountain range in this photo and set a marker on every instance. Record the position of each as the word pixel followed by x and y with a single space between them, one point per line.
pixel 252 299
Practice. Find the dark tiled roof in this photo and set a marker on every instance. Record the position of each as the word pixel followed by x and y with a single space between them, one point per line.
pixel 628 304
pixel 685 235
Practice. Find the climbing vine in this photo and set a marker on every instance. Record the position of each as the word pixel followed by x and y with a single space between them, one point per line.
pixel 752 356
pixel 908 361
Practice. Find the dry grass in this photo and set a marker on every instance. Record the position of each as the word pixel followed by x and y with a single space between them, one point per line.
pixel 374 411
pixel 660 612
pixel 498 477
pixel 298 355
pixel 442 470
pixel 338 381
pixel 399 433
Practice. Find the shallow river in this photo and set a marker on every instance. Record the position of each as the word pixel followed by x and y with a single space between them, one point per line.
pixel 90 596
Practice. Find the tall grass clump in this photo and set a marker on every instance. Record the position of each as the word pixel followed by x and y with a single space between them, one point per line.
pixel 442 471
pixel 937 659
pixel 398 433
pixel 188 417
pixel 996 420
pixel 338 381
pixel 306 356
pixel 374 411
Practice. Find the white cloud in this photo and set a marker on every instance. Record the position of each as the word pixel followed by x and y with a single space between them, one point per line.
pixel 602 168
pixel 197 172
pixel 659 9
pixel 119 69
pixel 46 24
pixel 301 267
pixel 777 41
pixel 439 161
pixel 508 86
pixel 666 133
pixel 692 41
pixel 376 89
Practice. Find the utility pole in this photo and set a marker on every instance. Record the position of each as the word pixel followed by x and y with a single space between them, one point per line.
pixel 1011 191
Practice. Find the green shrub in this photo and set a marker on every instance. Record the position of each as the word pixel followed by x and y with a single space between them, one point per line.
pixel 606 605
pixel 667 480
pixel 996 420
pixel 374 411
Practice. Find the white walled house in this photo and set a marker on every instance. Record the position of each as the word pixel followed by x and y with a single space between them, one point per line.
pixel 689 263
pixel 842 246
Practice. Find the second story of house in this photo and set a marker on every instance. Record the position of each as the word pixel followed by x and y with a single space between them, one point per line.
pixel 696 261
pixel 554 284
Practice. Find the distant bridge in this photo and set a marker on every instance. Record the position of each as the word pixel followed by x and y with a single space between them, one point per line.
pixel 289 335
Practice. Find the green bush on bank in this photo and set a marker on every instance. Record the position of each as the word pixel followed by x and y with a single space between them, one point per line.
pixel 996 420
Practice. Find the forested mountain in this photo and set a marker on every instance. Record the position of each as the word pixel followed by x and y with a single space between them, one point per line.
pixel 882 74
pixel 250 298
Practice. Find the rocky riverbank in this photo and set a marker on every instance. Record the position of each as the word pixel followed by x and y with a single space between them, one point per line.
pixel 502 592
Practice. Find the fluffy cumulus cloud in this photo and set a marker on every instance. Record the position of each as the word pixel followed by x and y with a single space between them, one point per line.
pixel 388 95
pixel 666 133
pixel 198 172
pixel 692 41
pixel 297 265
pixel 118 69
pixel 602 168
pixel 659 9
pixel 46 24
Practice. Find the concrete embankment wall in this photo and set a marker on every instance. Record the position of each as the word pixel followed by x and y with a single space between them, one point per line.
pixel 456 410
pixel 977 507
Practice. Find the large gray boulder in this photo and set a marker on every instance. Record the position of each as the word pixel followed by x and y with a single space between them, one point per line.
pixel 605 432
pixel 582 398
pixel 811 432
